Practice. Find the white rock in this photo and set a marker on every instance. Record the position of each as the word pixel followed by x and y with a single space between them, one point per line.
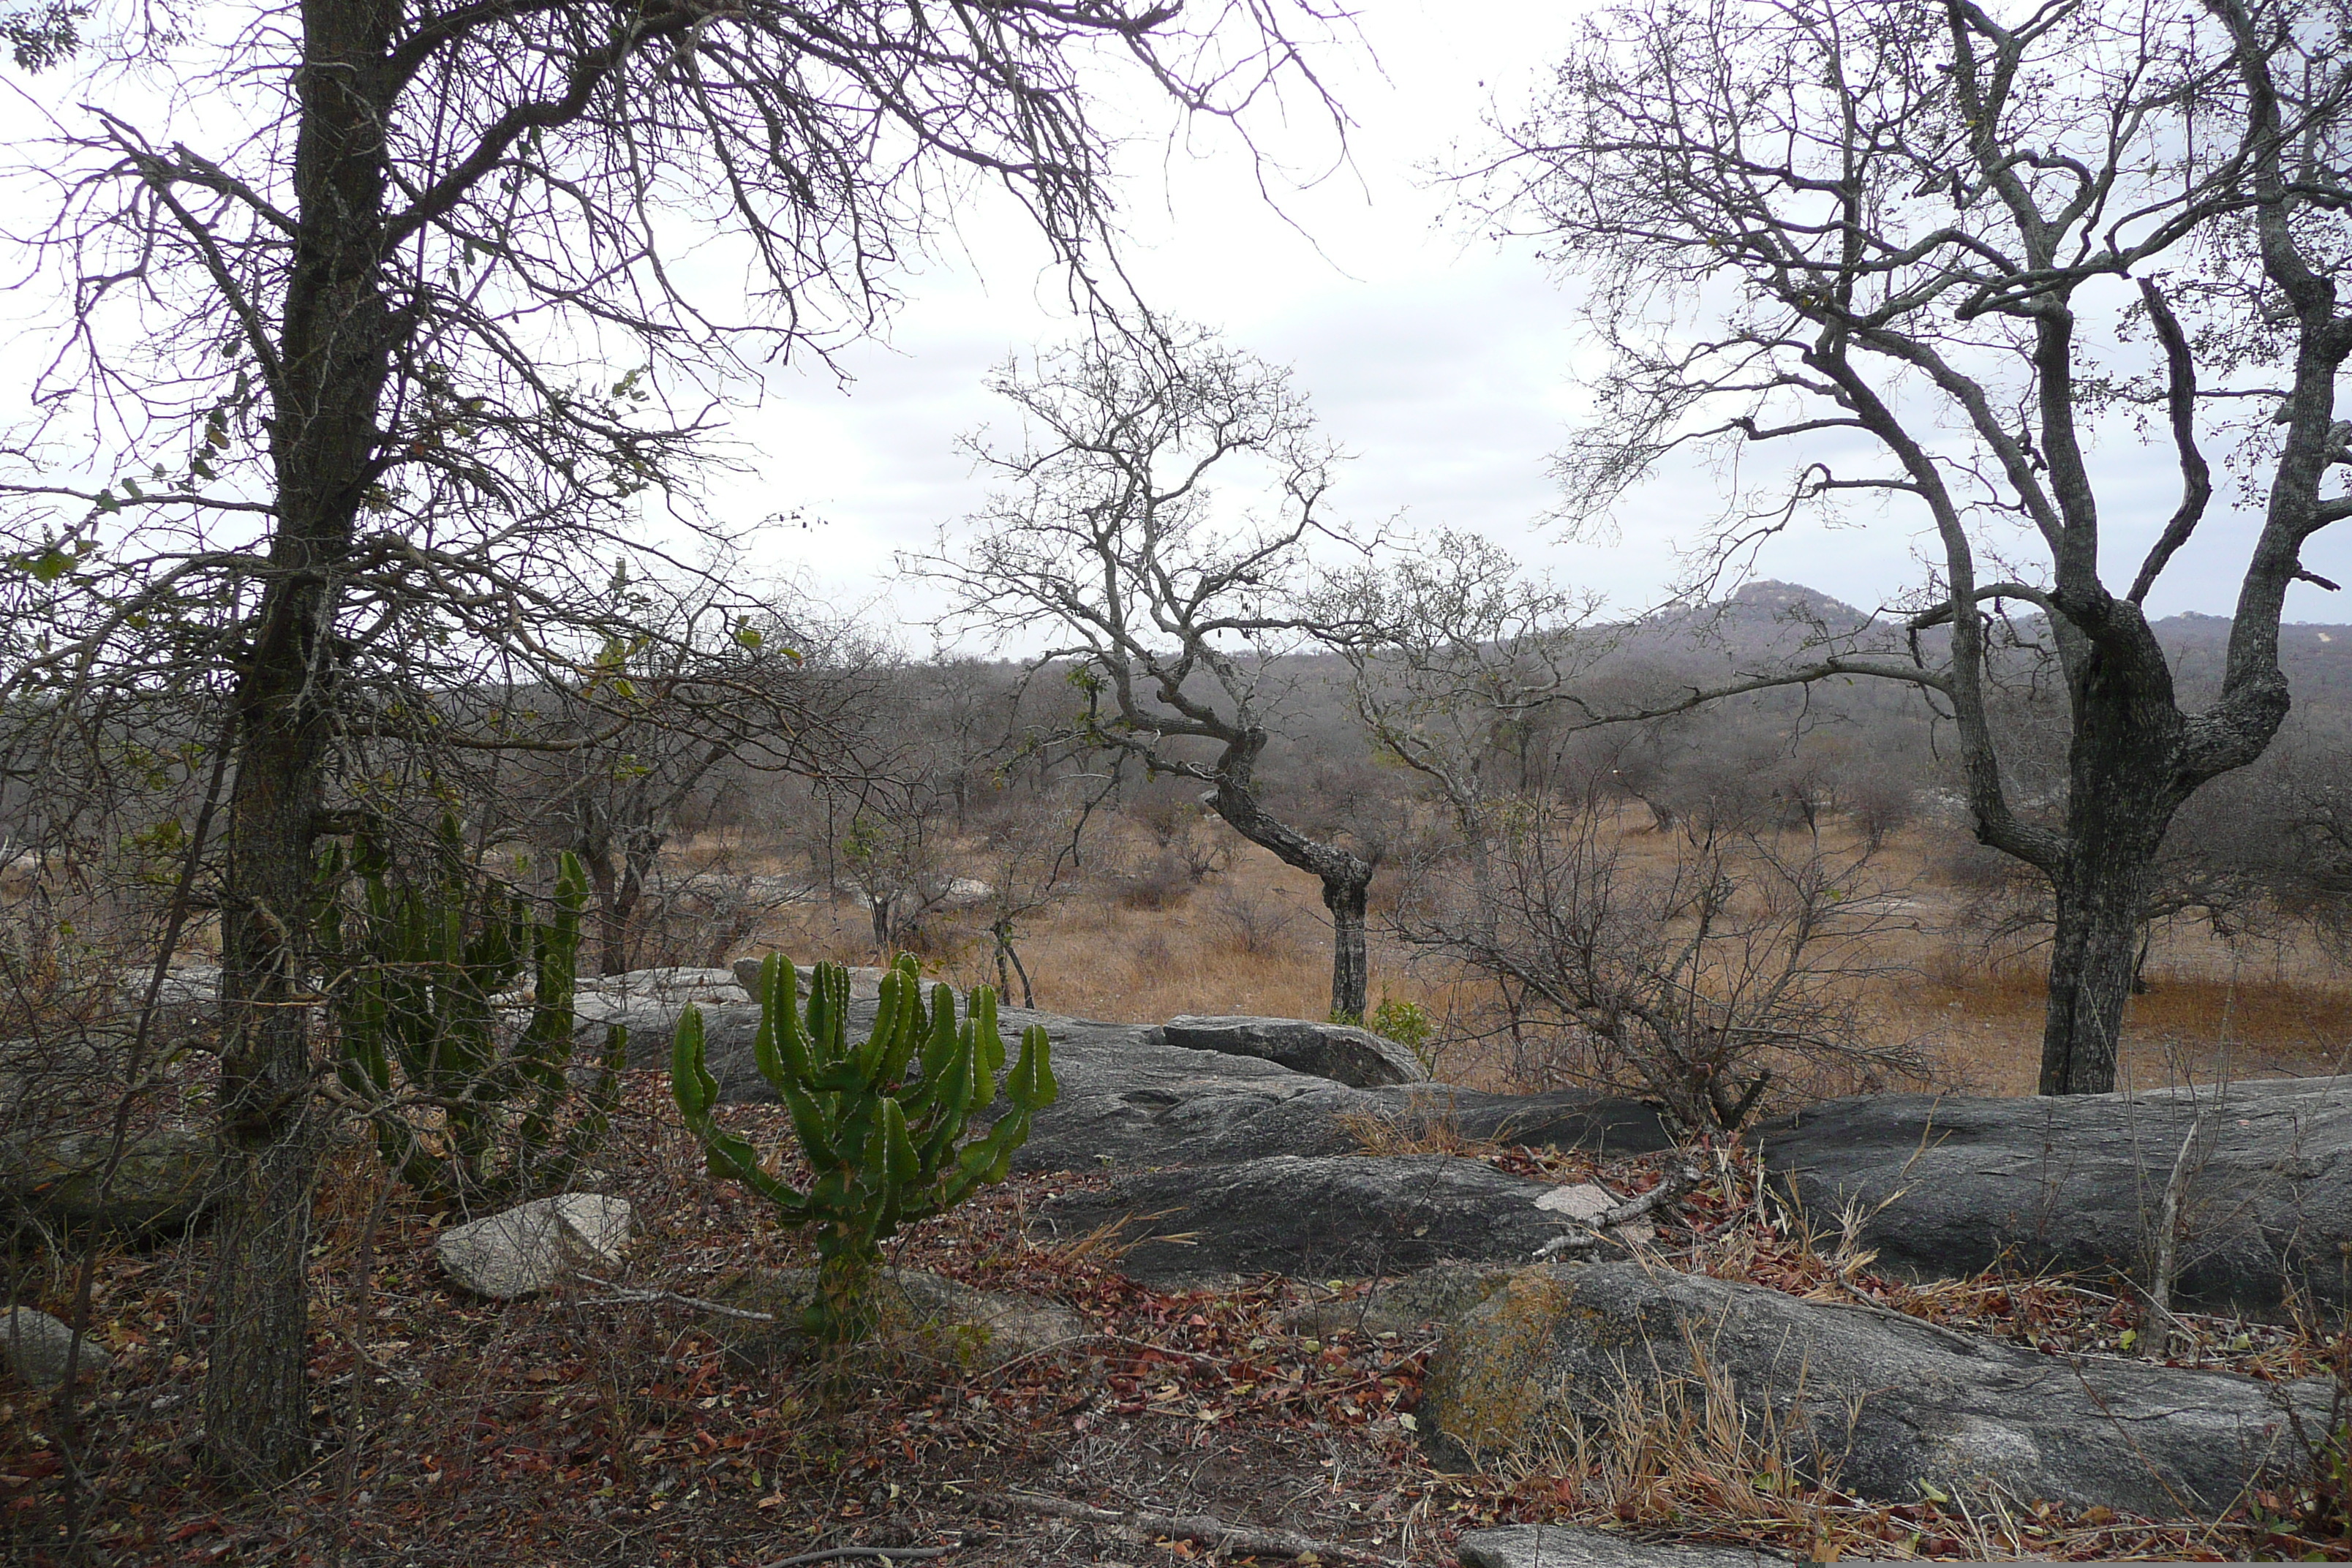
pixel 36 1345
pixel 1585 1204
pixel 530 1247
pixel 1581 1202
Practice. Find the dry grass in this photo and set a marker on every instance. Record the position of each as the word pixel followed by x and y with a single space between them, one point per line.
pixel 1256 938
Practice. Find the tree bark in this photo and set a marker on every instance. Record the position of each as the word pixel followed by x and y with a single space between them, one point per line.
pixel 1350 968
pixel 333 356
pixel 2127 776
pixel 1344 874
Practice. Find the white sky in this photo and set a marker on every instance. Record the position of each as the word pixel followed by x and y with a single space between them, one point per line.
pixel 1445 363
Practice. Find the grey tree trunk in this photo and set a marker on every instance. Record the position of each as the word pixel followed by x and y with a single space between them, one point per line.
pixel 333 356
pixel 1351 966
pixel 1344 875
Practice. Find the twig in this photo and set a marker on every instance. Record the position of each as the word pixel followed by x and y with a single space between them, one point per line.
pixel 1215 1533
pixel 887 1554
pixel 1370 1380
pixel 623 1296
pixel 1669 1188
pixel 1203 1357
pixel 2166 1263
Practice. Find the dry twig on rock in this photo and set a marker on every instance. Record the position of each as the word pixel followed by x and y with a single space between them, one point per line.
pixel 1670 1189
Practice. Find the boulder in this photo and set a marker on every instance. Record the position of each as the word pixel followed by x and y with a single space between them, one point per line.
pixel 681 983
pixel 1330 1217
pixel 1437 1294
pixel 1883 1403
pixel 165 1179
pixel 1130 1098
pixel 1357 1058
pixel 188 999
pixel 924 1315
pixel 864 982
pixel 530 1247
pixel 1947 1186
pixel 37 1346
pixel 1564 1546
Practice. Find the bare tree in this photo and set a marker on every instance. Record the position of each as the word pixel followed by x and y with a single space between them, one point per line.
pixel 1169 615
pixel 339 357
pixel 1898 241
pixel 1696 982
pixel 648 726
pixel 1454 657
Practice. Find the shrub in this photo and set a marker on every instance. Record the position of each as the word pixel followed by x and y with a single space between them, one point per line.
pixel 1408 1023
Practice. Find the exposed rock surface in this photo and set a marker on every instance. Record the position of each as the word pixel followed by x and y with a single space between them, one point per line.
pixel 188 999
pixel 1560 1546
pixel 2077 1183
pixel 1336 1215
pixel 1435 1295
pixel 1357 1058
pixel 1130 1098
pixel 530 1247
pixel 166 1178
pixel 923 1314
pixel 37 1346
pixel 864 983
pixel 1886 1402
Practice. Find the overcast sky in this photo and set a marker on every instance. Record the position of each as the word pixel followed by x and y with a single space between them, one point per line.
pixel 1445 363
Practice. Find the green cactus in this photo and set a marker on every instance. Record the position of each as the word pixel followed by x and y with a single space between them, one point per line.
pixel 881 1122
pixel 464 1113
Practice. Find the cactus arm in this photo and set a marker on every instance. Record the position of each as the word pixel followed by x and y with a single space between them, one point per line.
pixel 763 1040
pixel 796 1050
pixel 904 1040
pixel 1030 1084
pixel 900 1161
pixel 813 1124
pixel 987 1048
pixel 690 1083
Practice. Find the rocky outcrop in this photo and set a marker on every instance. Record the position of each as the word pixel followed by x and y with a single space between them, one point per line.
pixel 533 1246
pixel 1336 1215
pixel 166 1178
pixel 1438 1295
pixel 1881 1402
pixel 1357 1058
pixel 1945 1186
pixel 1130 1098
pixel 923 1315
pixel 37 1346
pixel 864 984
pixel 1563 1546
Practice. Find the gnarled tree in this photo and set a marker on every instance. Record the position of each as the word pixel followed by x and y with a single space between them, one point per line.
pixel 1901 243
pixel 1108 542
pixel 364 360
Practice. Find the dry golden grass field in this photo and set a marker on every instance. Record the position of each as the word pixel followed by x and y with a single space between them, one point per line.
pixel 1256 938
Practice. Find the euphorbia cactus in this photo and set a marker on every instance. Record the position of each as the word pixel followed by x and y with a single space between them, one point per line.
pixel 882 1123
pixel 467 1110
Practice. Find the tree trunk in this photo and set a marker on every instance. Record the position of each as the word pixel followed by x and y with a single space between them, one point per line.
pixel 2102 902
pixel 1344 875
pixel 595 852
pixel 2125 782
pixel 333 356
pixel 1351 969
pixel 257 1415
